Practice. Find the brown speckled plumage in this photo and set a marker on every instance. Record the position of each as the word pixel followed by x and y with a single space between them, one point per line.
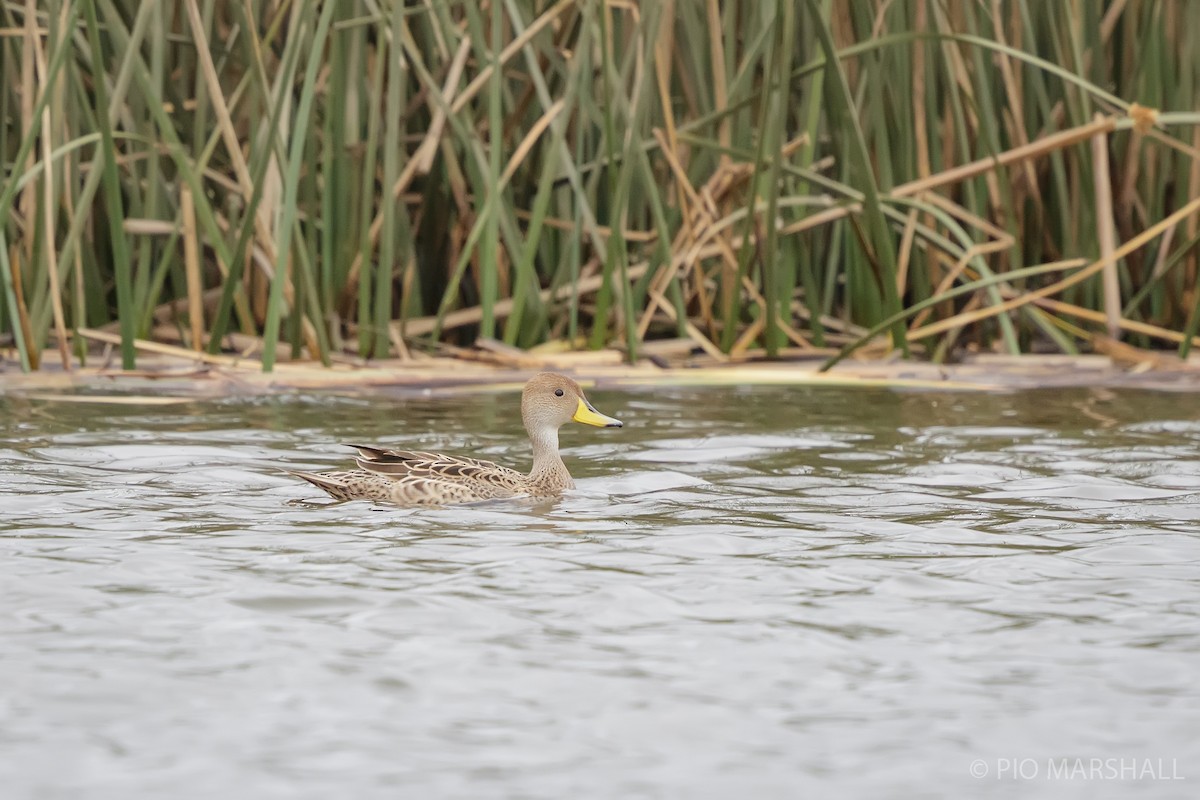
pixel 416 478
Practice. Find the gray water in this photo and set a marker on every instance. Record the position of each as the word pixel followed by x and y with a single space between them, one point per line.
pixel 753 593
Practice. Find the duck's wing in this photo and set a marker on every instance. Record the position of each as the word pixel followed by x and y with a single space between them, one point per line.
pixel 436 467
pixel 380 455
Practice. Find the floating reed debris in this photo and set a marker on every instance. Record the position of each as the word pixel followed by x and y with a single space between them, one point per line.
pixel 370 179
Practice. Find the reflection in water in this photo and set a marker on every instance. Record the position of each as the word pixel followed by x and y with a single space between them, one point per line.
pixel 763 592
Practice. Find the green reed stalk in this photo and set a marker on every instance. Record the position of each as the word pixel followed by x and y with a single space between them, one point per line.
pixel 394 110
pixel 489 249
pixel 615 243
pixel 116 212
pixel 366 279
pixel 14 314
pixel 880 237
pixel 291 182
pixel 781 59
pixel 805 157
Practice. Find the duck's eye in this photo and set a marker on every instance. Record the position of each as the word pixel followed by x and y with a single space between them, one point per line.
pixel 558 392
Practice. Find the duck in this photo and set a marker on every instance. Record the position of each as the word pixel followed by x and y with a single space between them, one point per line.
pixel 418 478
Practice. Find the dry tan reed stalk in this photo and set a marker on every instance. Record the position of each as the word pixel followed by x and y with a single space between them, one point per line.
pixel 1124 354
pixel 149 227
pixel 752 332
pixel 229 136
pixel 185 354
pixel 791 333
pixel 1012 90
pixel 14 265
pixel 427 150
pixel 47 204
pixel 159 347
pixel 1106 233
pixel 110 399
pixel 1133 326
pixel 904 253
pixel 1193 224
pixel 664 47
pixel 191 263
pixel 423 326
pixel 530 139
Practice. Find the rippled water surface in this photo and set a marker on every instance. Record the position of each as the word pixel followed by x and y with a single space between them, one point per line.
pixel 753 593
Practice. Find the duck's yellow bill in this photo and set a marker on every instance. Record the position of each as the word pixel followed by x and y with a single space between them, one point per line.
pixel 590 416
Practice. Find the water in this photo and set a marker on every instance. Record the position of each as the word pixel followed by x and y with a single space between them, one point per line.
pixel 765 593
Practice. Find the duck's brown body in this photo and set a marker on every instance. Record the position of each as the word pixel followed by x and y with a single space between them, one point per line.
pixel 416 478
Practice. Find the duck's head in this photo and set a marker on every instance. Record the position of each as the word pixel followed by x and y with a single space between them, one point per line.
pixel 551 400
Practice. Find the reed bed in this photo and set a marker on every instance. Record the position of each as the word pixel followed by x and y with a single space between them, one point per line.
pixel 370 180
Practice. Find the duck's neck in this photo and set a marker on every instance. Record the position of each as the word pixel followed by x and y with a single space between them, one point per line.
pixel 548 467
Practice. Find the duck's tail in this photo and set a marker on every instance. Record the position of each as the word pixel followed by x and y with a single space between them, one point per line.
pixel 328 482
